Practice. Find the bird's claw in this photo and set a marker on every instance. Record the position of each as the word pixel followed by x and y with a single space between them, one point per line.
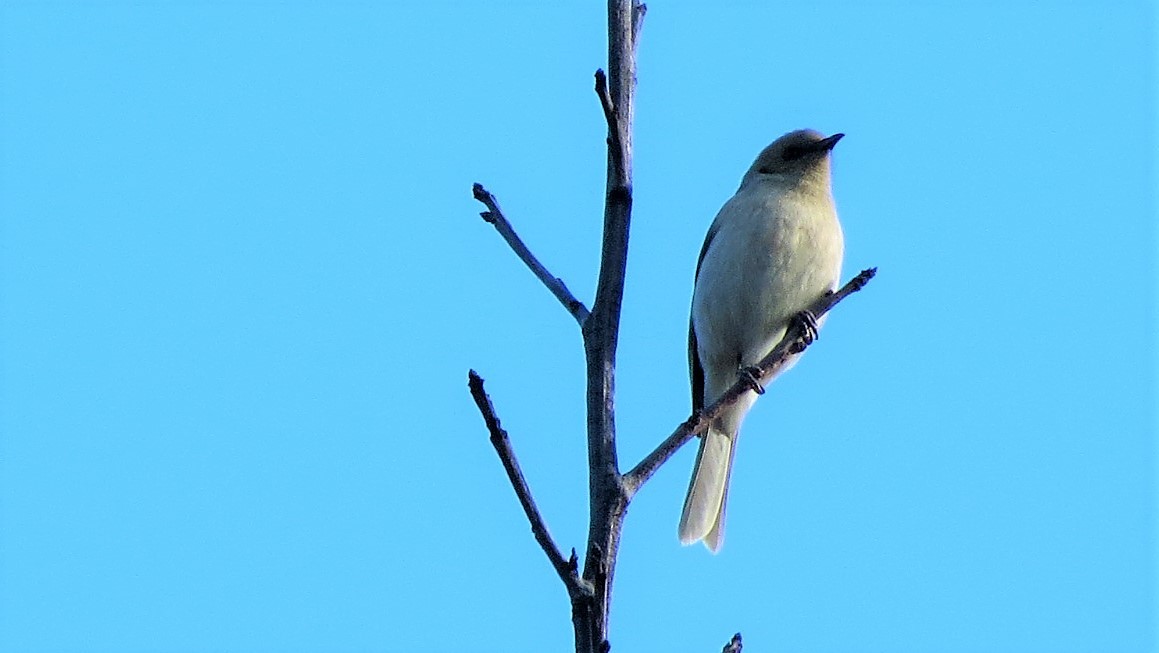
pixel 751 377
pixel 808 323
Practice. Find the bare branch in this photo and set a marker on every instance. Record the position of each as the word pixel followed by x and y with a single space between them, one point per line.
pixel 567 569
pixel 733 646
pixel 794 342
pixel 556 285
pixel 607 499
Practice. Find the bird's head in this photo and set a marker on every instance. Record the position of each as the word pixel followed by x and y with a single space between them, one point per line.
pixel 799 156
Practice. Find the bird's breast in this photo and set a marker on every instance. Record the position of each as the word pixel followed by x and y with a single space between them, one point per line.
pixel 772 255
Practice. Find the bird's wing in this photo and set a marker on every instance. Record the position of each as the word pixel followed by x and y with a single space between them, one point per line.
pixel 695 371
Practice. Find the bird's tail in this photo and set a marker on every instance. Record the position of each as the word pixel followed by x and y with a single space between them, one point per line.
pixel 703 516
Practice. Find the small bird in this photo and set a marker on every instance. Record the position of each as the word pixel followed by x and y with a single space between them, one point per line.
pixel 773 249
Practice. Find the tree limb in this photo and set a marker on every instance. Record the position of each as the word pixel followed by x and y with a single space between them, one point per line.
pixel 556 285
pixel 793 342
pixel 606 497
pixel 567 569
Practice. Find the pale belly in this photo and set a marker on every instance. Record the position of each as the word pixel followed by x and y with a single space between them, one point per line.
pixel 765 264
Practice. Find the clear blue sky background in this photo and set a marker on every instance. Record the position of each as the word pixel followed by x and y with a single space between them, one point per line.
pixel 242 279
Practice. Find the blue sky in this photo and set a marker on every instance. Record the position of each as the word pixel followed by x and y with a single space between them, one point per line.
pixel 242 279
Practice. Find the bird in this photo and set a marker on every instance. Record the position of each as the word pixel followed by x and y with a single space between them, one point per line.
pixel 773 249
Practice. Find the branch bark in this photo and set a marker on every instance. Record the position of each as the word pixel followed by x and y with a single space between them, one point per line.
pixel 793 342
pixel 567 569
pixel 607 500
pixel 556 285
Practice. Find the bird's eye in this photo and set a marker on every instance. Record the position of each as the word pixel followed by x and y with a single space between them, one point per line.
pixel 792 152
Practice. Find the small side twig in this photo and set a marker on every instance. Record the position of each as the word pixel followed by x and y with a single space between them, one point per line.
pixel 568 569
pixel 616 138
pixel 556 285
pixel 733 646
pixel 639 10
pixel 792 343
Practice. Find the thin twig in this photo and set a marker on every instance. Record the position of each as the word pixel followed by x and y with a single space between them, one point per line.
pixel 792 343
pixel 616 140
pixel 733 646
pixel 639 10
pixel 567 569
pixel 556 285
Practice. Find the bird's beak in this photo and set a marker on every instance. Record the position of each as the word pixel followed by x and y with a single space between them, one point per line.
pixel 826 144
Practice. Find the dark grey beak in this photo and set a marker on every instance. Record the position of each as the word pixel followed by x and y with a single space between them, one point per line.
pixel 826 144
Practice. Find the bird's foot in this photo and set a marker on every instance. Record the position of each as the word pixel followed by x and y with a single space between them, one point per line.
pixel 751 377
pixel 808 323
